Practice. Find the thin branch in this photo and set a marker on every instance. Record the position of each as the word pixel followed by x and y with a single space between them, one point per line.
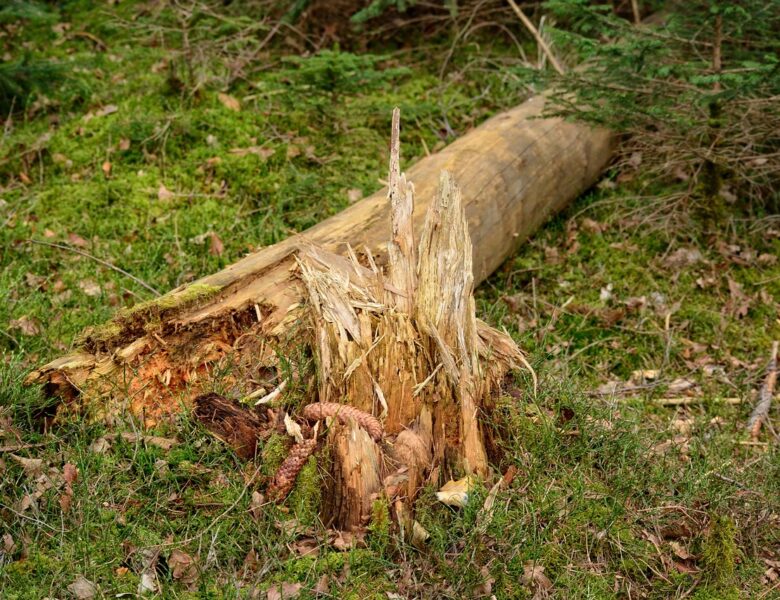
pixel 537 36
pixel 761 411
pixel 97 260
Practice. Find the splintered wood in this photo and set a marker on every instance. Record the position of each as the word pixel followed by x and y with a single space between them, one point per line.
pixel 405 346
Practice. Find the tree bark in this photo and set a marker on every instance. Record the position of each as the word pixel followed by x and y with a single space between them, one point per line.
pixel 514 172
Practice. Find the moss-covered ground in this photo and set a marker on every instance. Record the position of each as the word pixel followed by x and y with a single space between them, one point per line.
pixel 175 143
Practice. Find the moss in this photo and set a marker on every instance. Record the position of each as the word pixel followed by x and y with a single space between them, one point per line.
pixel 274 451
pixel 306 497
pixel 379 528
pixel 146 316
pixel 719 551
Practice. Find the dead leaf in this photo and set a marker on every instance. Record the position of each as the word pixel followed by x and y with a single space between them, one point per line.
pixel 164 194
pixel 106 168
pixel 160 442
pixel 77 240
pixel 263 153
pixel 216 247
pixel 683 257
pixel 26 325
pixel 293 151
pixel 323 585
pixel 256 505
pixel 34 281
pixel 124 144
pixel 738 304
pixel 533 575
pixel 83 588
pixel 456 493
pixel 70 473
pixel 354 194
pixel 486 587
pixel 65 500
pixel 293 428
pixel 108 109
pixel 306 546
pixel 90 288
pixel 147 584
pixel 32 467
pixel 229 102
pixel 100 446
pixel 592 226
pixel 284 591
pixel 680 551
pixel 183 567
pixel 644 376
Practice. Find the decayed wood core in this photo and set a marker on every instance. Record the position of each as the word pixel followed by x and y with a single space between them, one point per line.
pixel 515 170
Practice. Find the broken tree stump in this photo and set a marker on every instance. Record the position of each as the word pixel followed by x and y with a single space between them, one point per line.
pixel 405 342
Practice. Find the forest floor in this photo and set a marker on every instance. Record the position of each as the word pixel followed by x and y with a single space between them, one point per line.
pixel 177 144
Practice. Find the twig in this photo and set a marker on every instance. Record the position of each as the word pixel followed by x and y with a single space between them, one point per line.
pixel 537 36
pixel 637 13
pixel 761 410
pixel 268 398
pixel 97 260
pixel 688 400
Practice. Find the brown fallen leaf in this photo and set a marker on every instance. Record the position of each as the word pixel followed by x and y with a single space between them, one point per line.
pixel 32 467
pixel 216 247
pixel 738 304
pixel 124 144
pixel 183 567
pixel 82 588
pixel 160 442
pixel 229 102
pixel 306 546
pixel 90 288
pixel 284 591
pixel 26 325
pixel 65 500
pixel 70 473
pixel 680 551
pixel 263 153
pixel 77 240
pixel 354 194
pixel 533 575
pixel 164 194
pixel 106 110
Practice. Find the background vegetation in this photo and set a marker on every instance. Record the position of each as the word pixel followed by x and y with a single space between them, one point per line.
pixel 168 139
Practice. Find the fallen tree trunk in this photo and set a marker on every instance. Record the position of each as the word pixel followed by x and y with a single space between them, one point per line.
pixel 515 171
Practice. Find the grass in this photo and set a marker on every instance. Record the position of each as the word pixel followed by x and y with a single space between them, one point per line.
pixel 614 497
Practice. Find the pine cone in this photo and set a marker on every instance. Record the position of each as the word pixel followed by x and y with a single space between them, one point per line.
pixel 284 479
pixel 344 412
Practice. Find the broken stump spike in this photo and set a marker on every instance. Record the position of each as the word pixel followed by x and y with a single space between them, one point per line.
pixel 401 248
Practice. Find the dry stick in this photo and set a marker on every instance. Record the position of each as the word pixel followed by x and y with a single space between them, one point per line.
pixel 539 40
pixel 761 410
pixel 98 260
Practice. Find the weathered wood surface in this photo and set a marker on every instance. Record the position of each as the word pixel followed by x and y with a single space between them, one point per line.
pixel 514 171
